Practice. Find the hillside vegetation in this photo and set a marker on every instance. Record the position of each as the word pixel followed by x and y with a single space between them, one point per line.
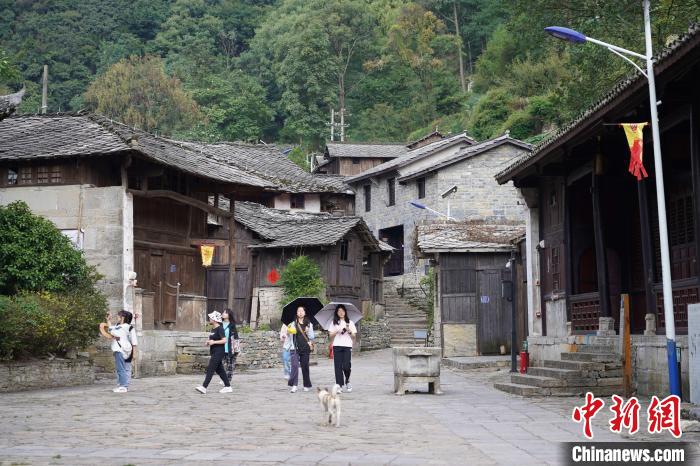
pixel 273 69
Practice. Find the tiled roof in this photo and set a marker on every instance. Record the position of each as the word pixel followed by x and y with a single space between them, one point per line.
pixel 412 156
pixel 80 135
pixel 665 57
pixel 362 150
pixel 284 229
pixel 465 236
pixel 9 103
pixel 336 181
pixel 468 152
pixel 271 165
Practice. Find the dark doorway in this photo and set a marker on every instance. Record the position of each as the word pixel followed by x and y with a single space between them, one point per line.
pixel 394 237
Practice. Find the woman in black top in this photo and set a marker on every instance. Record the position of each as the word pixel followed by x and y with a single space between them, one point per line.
pixel 229 326
pixel 302 333
pixel 217 351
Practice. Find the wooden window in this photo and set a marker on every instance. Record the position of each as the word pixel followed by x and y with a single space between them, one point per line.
pixel 296 201
pixel 391 190
pixel 420 182
pixel 355 161
pixel 12 176
pixel 25 175
pixel 42 175
pixel 55 174
pixel 368 197
pixel 344 246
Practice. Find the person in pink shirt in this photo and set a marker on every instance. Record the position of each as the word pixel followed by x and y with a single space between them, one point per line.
pixel 343 332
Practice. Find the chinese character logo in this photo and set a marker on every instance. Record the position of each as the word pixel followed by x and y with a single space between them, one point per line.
pixel 587 412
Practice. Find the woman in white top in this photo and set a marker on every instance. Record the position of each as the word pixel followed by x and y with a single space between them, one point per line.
pixel 343 332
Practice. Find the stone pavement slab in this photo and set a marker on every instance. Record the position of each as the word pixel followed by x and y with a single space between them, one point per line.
pixel 162 420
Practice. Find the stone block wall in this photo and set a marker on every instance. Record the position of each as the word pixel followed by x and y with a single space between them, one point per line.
pixel 101 215
pixel 478 196
pixel 38 374
pixel 374 334
pixel 266 305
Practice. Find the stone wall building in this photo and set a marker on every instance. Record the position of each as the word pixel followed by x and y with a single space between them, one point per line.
pixel 453 176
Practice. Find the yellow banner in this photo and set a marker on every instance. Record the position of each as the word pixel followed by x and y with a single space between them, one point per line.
pixel 207 254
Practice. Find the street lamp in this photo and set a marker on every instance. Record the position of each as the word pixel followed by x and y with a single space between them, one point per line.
pixel 578 38
pixel 421 206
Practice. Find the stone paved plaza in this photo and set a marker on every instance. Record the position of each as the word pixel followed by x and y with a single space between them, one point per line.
pixel 165 421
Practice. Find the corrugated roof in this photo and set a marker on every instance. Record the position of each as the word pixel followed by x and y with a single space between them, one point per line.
pixel 412 156
pixel 285 229
pixel 465 236
pixel 669 54
pixel 365 150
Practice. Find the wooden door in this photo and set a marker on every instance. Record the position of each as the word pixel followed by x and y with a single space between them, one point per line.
pixel 241 296
pixel 458 289
pixel 494 312
pixel 217 288
pixel 156 279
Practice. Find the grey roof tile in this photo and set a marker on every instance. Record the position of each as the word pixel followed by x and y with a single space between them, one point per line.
pixel 365 150
pixel 281 228
pixel 467 235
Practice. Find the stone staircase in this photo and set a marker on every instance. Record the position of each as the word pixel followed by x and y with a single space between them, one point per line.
pixel 403 315
pixel 591 368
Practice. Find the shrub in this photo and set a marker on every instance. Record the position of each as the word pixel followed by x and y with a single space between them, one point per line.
pixel 36 256
pixel 302 277
pixel 37 323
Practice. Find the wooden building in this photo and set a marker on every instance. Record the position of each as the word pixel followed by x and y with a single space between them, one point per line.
pixel 137 203
pixel 593 227
pixel 349 256
pixel 469 259
pixel 347 159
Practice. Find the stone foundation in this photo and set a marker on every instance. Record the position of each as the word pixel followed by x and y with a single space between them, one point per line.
pixel 649 364
pixel 37 374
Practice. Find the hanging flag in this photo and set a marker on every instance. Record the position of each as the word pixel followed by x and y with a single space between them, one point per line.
pixel 207 254
pixel 634 133
pixel 273 276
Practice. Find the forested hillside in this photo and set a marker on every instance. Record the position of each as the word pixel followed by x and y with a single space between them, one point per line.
pixel 272 70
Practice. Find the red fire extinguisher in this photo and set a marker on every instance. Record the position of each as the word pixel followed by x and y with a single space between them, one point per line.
pixel 524 358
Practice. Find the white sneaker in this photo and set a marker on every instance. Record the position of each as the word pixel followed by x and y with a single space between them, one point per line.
pixel 306 389
pixel 201 390
pixel 340 389
pixel 226 390
pixel 348 387
pixel 294 389
pixel 120 390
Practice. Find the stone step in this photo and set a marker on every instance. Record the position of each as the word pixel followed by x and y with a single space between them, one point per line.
pixel 537 380
pixel 589 357
pixel 519 389
pixel 575 365
pixel 554 372
pixel 607 349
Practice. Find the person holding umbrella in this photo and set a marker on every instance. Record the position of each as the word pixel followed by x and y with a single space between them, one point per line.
pixel 343 332
pixel 302 333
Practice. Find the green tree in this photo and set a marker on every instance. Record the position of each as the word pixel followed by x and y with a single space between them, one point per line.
pixel 302 277
pixel 139 93
pixel 36 256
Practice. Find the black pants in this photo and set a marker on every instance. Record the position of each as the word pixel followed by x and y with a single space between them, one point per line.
pixel 300 359
pixel 342 362
pixel 230 365
pixel 216 365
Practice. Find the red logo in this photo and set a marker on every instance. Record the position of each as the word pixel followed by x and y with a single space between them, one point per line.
pixel 587 412
pixel 626 415
pixel 665 415
pixel 273 276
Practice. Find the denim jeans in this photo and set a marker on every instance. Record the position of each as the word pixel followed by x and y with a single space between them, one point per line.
pixel 287 362
pixel 122 371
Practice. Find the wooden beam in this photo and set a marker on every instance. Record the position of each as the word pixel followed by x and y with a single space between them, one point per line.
pixel 647 248
pixel 182 199
pixel 599 238
pixel 232 256
pixel 211 242
pixel 165 246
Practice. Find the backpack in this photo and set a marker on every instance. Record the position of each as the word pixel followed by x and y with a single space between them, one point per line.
pixel 128 337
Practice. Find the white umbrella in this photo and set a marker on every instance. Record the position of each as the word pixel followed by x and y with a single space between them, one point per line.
pixel 325 315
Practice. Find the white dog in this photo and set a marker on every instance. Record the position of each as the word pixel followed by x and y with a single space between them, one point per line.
pixel 330 403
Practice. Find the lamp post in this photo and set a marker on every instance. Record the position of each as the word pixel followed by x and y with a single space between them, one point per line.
pixel 424 207
pixel 578 38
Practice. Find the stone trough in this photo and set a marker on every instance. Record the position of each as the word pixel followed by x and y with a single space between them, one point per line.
pixel 417 364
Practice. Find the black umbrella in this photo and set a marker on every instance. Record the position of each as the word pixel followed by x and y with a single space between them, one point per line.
pixel 312 306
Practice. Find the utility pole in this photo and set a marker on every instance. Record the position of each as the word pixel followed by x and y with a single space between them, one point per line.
pixel 342 124
pixel 332 124
pixel 44 89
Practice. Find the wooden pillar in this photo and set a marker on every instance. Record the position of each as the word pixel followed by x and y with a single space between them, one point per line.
pixel 232 254
pixel 647 248
pixel 599 235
